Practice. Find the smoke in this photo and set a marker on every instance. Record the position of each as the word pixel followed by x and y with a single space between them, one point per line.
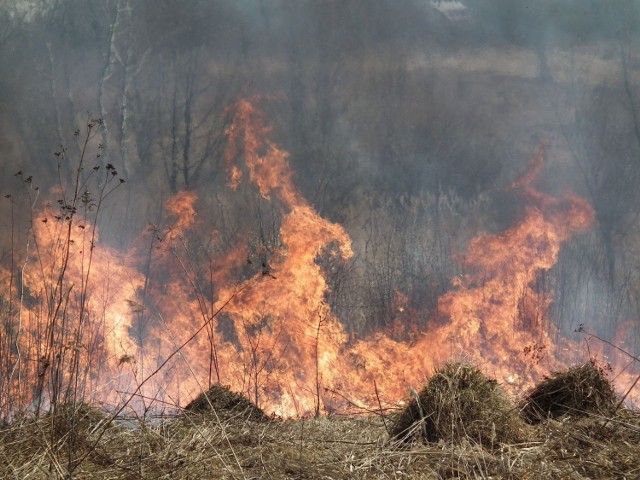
pixel 405 123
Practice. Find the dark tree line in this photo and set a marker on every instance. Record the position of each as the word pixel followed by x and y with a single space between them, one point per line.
pixel 403 125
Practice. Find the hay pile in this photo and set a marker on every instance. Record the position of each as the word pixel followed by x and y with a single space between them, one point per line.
pixel 226 404
pixel 578 391
pixel 75 417
pixel 459 402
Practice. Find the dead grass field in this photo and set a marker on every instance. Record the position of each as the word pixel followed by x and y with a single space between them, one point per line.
pixel 317 448
pixel 85 443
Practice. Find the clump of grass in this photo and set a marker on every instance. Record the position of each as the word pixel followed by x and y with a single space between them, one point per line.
pixel 578 391
pixel 57 443
pixel 225 403
pixel 77 417
pixel 459 403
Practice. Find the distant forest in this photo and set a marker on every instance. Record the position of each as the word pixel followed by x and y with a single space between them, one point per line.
pixel 405 122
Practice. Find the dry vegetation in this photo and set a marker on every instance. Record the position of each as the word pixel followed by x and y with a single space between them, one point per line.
pixel 578 391
pixel 459 403
pixel 215 443
pixel 221 401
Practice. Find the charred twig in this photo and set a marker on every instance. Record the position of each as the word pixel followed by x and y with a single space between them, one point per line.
pixel 384 419
pixel 354 404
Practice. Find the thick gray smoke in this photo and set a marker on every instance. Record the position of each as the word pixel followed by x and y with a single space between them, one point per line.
pixel 405 121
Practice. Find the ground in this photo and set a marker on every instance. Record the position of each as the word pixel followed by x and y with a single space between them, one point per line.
pixel 327 447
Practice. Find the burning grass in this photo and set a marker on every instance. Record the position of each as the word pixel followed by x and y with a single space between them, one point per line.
pixel 578 391
pixel 211 445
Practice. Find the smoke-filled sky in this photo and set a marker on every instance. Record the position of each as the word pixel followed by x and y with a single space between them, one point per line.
pixel 405 122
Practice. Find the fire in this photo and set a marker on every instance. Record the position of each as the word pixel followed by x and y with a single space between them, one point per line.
pixel 65 320
pixel 181 207
pixel 289 340
pixel 272 335
pixel 494 315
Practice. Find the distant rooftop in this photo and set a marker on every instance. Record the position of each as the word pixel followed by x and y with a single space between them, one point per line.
pixel 453 10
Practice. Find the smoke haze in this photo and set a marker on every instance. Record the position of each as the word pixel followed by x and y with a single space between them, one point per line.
pixel 405 123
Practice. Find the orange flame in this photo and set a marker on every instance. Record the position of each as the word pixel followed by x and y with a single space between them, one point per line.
pixel 272 336
pixel 494 316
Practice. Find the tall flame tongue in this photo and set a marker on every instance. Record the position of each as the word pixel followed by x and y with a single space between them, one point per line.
pixel 494 316
pixel 290 340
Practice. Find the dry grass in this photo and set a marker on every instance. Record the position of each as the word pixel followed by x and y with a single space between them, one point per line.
pixel 210 445
pixel 578 391
pixel 225 403
pixel 460 403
